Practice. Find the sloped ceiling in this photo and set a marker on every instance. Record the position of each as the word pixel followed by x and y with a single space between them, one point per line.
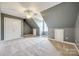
pixel 18 8
pixel 13 8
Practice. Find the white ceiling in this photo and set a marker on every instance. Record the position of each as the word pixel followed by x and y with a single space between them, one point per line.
pixel 38 6
pixel 18 8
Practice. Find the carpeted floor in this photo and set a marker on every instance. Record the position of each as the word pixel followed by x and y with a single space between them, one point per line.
pixel 36 46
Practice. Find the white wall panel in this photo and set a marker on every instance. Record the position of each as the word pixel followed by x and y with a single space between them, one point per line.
pixel 59 34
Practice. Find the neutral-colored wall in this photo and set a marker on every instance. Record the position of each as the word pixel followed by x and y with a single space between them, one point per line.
pixel 26 29
pixel 77 31
pixel 62 16
pixel 33 25
pixel 69 34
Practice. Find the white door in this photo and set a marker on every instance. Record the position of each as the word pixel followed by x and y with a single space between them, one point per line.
pixel 59 34
pixel 12 28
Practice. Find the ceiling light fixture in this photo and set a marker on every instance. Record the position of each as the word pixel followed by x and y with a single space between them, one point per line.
pixel 28 14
